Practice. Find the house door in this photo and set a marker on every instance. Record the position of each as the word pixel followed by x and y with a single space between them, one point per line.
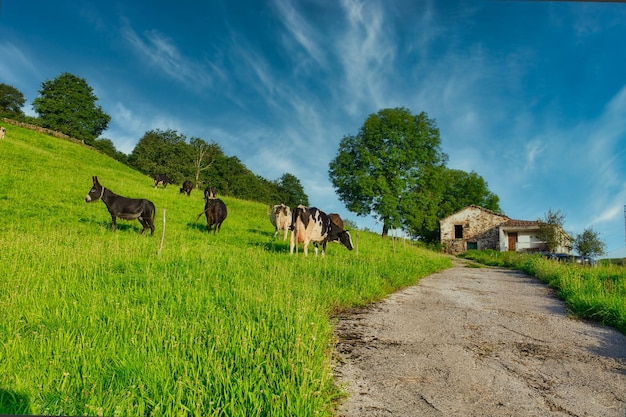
pixel 512 241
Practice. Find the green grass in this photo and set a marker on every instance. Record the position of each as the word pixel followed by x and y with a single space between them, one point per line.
pixel 597 293
pixel 95 322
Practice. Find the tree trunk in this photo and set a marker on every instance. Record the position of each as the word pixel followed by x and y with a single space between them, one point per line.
pixel 385 230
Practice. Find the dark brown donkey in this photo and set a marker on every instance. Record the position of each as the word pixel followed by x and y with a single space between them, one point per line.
pixel 123 207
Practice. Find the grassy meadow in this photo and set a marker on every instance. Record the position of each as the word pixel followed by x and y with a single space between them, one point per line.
pixel 95 322
pixel 597 293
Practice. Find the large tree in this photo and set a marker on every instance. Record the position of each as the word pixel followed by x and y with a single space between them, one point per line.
pixel 11 101
pixel 461 189
pixel 67 104
pixel 163 152
pixel 392 168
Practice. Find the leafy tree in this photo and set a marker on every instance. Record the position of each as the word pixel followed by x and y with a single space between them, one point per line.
pixel 11 101
pixel 67 104
pixel 392 168
pixel 107 147
pixel 551 230
pixel 291 192
pixel 163 152
pixel 588 243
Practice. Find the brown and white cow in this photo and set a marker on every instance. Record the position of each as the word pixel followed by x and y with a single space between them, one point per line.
pixel 280 216
pixel 313 225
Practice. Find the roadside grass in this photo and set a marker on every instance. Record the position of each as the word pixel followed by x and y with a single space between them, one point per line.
pixel 95 322
pixel 597 293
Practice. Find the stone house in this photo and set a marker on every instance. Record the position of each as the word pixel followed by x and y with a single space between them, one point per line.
pixel 476 227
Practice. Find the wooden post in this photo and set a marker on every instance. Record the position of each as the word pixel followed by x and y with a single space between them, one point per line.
pixel 162 234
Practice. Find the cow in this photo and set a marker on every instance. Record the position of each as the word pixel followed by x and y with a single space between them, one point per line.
pixel 214 210
pixel 280 216
pixel 335 218
pixel 162 179
pixel 123 207
pixel 3 131
pixel 210 192
pixel 186 188
pixel 313 225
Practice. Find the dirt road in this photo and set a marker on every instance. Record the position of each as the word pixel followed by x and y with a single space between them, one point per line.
pixel 478 342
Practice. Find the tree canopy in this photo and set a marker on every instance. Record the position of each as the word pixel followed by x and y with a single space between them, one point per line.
pixel 588 243
pixel 169 152
pixel 67 104
pixel 11 101
pixel 291 192
pixel 394 168
pixel 390 168
pixel 551 230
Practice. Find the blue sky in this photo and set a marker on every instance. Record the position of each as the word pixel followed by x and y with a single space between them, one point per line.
pixel 531 95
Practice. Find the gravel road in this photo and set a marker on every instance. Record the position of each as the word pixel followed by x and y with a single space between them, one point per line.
pixel 478 342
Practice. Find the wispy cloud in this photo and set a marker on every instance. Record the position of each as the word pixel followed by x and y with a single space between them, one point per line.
pixel 163 54
pixel 366 52
pixel 15 65
pixel 300 31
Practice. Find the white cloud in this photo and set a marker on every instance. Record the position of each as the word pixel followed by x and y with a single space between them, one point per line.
pixel 163 54
pixel 16 66
pixel 300 31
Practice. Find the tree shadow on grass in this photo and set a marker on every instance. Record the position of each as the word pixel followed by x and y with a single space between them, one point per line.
pixel 13 403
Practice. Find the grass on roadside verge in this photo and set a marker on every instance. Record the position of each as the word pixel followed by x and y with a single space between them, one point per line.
pixel 597 293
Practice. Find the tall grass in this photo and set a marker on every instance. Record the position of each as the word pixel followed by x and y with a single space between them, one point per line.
pixel 597 293
pixel 95 322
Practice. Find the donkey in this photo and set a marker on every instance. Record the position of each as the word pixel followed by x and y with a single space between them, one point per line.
pixel 122 207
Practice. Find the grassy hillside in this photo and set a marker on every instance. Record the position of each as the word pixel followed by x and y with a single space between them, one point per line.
pixel 96 322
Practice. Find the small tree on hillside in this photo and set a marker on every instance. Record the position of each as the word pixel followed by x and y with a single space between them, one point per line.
pixel 291 191
pixel 11 101
pixel 551 230
pixel 588 243
pixel 204 155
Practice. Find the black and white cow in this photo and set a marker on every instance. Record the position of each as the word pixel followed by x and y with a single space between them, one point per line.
pixel 162 179
pixel 313 225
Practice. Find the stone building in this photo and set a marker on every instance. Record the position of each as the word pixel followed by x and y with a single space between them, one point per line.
pixel 476 227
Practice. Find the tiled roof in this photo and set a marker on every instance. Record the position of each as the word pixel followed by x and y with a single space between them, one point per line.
pixel 520 223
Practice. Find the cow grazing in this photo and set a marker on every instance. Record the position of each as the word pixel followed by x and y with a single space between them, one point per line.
pixel 214 210
pixel 3 131
pixel 280 216
pixel 313 225
pixel 186 188
pixel 335 218
pixel 123 207
pixel 162 179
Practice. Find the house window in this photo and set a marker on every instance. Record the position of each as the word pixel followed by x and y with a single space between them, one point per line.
pixel 472 245
pixel 458 231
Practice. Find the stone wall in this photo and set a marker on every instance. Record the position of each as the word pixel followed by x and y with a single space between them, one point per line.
pixel 479 226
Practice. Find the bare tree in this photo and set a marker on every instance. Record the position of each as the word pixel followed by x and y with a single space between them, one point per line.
pixel 204 155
